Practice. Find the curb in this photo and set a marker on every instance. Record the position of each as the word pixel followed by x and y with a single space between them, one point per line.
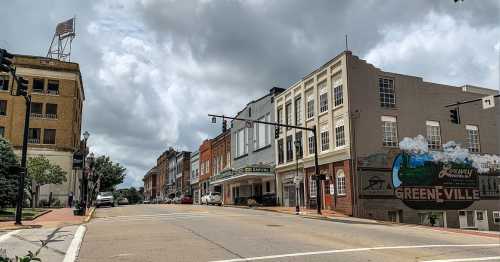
pixel 91 214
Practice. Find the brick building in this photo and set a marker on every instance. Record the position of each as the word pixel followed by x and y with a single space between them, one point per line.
pixel 183 173
pixel 162 165
pixel 150 184
pixel 221 160
pixel 205 166
pixel 57 95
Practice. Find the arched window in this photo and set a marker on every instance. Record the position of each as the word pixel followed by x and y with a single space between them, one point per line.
pixel 340 177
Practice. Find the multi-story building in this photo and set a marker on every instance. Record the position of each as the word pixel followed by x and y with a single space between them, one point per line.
pixel 221 161
pixel 251 175
pixel 171 175
pixel 361 113
pixel 182 176
pixel 205 166
pixel 195 177
pixel 162 164
pixel 57 95
pixel 150 184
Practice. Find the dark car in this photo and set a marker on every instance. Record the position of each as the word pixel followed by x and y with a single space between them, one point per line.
pixel 186 199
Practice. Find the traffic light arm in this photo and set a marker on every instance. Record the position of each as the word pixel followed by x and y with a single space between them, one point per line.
pixel 262 122
pixel 467 102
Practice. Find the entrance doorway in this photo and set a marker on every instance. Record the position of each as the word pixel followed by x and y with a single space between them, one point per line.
pixel 474 219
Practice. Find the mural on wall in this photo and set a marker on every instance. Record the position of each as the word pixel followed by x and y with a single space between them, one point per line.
pixel 422 183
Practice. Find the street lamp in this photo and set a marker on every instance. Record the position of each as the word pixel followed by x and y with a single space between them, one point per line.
pixel 296 180
pixel 83 198
pixel 86 136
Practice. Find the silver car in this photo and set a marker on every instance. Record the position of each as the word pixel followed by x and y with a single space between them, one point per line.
pixel 105 199
pixel 212 198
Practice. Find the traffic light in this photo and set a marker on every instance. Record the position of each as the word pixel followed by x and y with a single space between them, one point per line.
pixel 276 132
pixel 224 125
pixel 22 87
pixel 5 60
pixel 455 116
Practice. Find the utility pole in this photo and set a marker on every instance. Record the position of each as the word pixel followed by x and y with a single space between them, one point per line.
pixel 313 130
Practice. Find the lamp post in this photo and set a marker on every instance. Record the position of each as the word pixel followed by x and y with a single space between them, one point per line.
pixel 296 180
pixel 91 174
pixel 83 197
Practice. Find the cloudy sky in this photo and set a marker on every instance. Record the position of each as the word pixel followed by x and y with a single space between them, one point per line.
pixel 153 69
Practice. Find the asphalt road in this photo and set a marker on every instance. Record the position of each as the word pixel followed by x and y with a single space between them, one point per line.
pixel 201 233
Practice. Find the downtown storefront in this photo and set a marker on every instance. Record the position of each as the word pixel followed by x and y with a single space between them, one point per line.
pixel 247 184
pixel 405 188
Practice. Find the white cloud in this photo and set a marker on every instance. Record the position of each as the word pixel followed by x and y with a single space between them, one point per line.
pixel 442 49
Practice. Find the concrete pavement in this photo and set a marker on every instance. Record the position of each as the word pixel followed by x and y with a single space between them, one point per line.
pixel 201 233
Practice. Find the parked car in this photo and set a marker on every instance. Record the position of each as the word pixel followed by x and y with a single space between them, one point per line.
pixel 176 200
pixel 212 198
pixel 105 199
pixel 123 201
pixel 186 199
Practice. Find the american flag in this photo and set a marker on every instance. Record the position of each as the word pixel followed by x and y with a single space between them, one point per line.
pixel 65 27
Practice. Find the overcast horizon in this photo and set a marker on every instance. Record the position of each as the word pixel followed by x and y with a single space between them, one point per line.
pixel 153 69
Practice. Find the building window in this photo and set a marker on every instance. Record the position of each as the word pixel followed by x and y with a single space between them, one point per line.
pixel 300 152
pixel 228 159
pixel 34 135
pixel 4 83
pixel 51 111
pixel 49 136
pixel 387 92
pixel 312 187
pixel 324 138
pixel 310 143
pixel 339 134
pixel 2 131
pixel 340 177
pixel 3 107
pixel 242 142
pixel 281 154
pixel 53 87
pixel 433 135
pixel 310 106
pixel 262 133
pixel 289 148
pixel 36 110
pixel 496 217
pixel 279 115
pixel 323 98
pixel 268 186
pixel 390 129
pixel 288 113
pixel 473 139
pixel 338 95
pixel 38 85
pixel 298 111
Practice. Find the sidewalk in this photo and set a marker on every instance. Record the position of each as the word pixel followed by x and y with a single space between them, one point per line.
pixel 57 218
pixel 333 216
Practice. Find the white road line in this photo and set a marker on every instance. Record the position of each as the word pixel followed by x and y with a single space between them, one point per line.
pixel 6 236
pixel 154 215
pixel 465 259
pixel 74 247
pixel 349 250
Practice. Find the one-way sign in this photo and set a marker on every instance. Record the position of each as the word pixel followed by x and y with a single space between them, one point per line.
pixel 488 102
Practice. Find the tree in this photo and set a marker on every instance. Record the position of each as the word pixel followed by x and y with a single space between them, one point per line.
pixel 110 174
pixel 42 172
pixel 8 179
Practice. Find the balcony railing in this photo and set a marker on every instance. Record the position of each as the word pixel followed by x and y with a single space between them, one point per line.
pixel 51 116
pixel 36 115
pixel 34 140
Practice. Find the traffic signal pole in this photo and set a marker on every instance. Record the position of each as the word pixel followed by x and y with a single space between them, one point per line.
pixel 20 189
pixel 313 130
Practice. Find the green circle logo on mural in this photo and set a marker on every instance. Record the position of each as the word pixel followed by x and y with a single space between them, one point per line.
pixel 422 183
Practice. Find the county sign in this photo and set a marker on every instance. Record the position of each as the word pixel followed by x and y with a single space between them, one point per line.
pixel 424 184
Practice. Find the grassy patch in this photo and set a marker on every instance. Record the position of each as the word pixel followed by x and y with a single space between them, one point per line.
pixel 7 214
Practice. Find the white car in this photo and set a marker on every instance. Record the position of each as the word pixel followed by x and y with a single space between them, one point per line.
pixel 105 199
pixel 212 198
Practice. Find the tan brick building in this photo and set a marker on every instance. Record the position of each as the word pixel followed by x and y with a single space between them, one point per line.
pixel 57 95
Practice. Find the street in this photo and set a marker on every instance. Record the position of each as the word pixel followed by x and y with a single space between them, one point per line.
pixel 209 233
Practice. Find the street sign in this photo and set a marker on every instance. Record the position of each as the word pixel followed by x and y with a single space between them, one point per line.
pixel 248 124
pixel 77 160
pixel 488 102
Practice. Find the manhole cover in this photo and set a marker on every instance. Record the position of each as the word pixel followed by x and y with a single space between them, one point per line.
pixel 274 225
